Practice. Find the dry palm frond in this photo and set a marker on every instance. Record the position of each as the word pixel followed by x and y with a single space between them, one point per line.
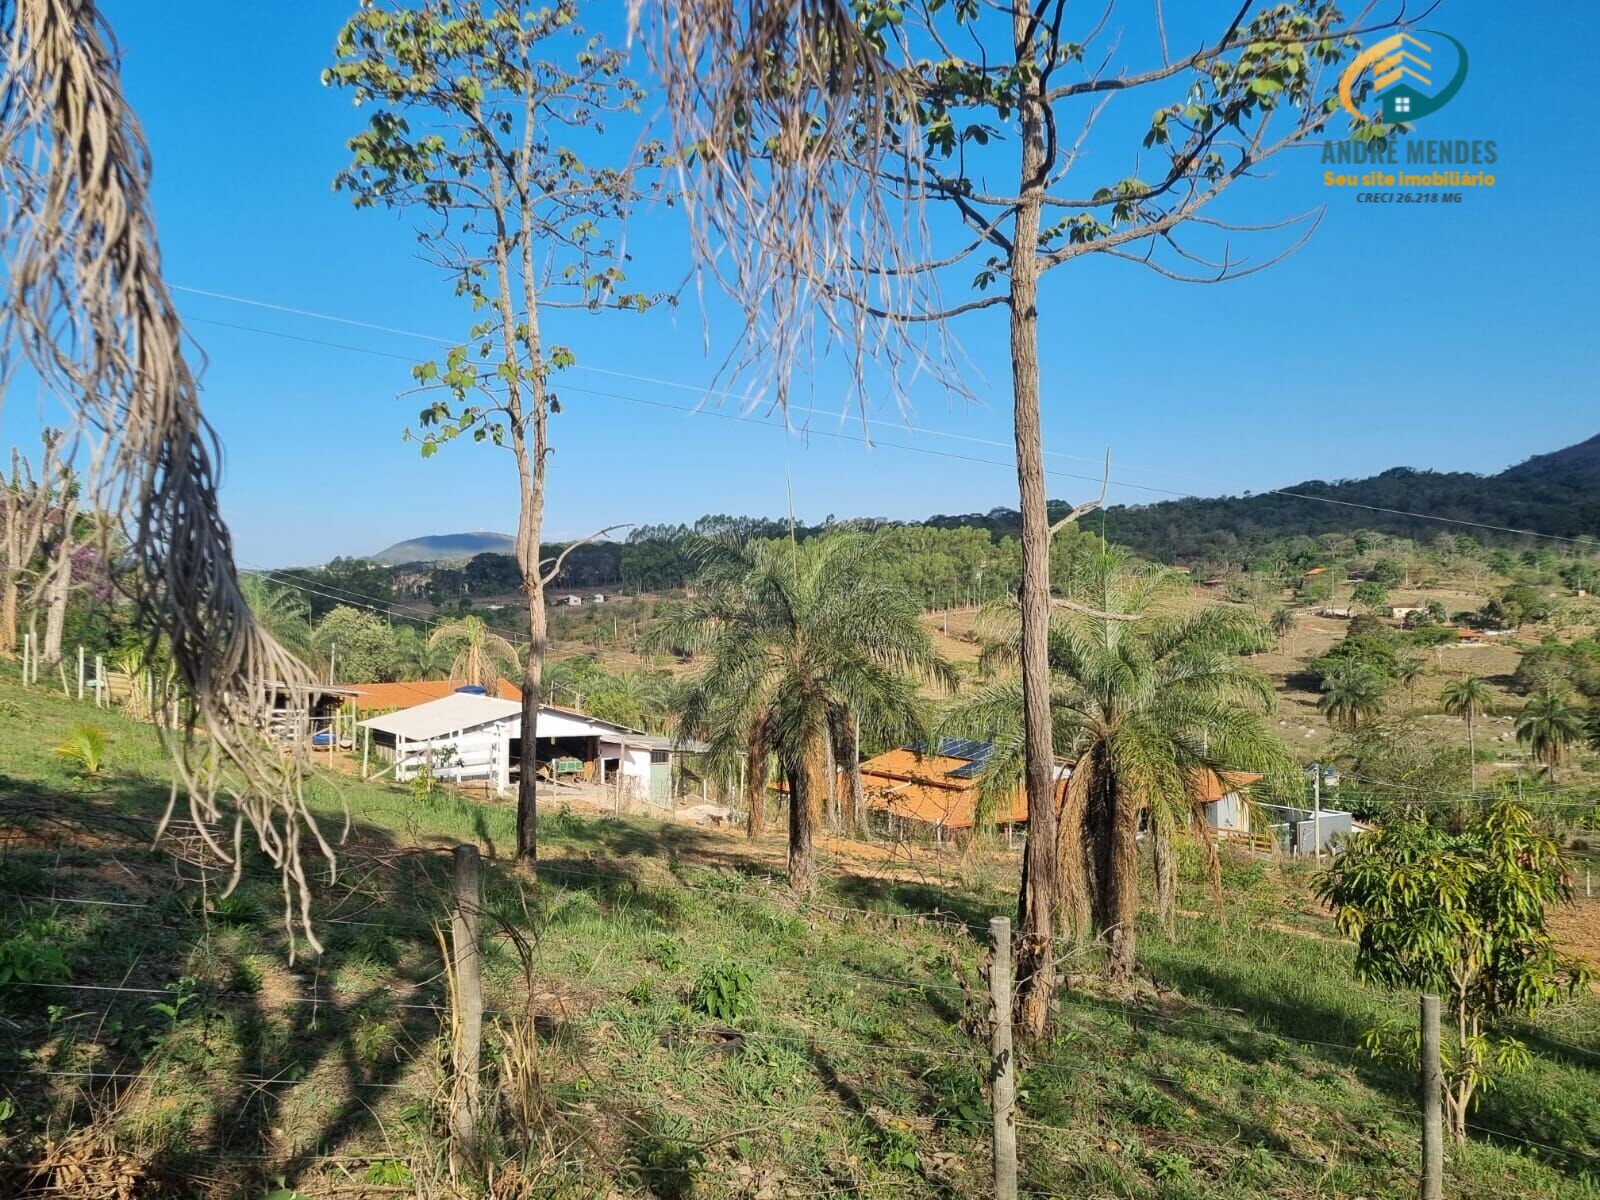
pixel 799 154
pixel 89 311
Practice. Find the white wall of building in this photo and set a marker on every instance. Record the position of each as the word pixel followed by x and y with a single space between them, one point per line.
pixel 635 766
pixel 477 754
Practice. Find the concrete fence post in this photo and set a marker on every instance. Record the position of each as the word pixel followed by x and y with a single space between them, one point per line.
pixel 468 1003
pixel 1431 1088
pixel 1003 1066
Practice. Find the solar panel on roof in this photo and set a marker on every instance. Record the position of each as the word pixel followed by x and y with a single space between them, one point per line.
pixel 970 750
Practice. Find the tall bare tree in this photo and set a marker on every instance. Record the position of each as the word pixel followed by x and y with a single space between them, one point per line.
pixel 27 499
pixel 479 108
pixel 88 310
pixel 827 132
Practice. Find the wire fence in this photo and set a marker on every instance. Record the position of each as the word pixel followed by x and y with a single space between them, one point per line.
pixel 954 981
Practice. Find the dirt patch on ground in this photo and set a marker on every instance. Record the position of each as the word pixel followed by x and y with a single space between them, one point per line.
pixel 1577 925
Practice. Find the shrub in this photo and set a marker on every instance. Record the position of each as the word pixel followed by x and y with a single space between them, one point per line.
pixel 28 959
pixel 724 992
pixel 84 748
pixel 1463 916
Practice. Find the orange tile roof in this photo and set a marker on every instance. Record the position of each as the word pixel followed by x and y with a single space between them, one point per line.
pixel 1214 787
pixel 384 697
pixel 903 785
pixel 1315 571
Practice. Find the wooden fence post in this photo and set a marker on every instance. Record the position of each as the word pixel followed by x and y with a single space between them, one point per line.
pixel 99 680
pixel 80 674
pixel 1004 1064
pixel 464 1089
pixel 1431 1085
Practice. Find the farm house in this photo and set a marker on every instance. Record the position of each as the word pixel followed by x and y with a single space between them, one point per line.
pixel 937 788
pixel 1296 830
pixel 467 737
pixel 461 737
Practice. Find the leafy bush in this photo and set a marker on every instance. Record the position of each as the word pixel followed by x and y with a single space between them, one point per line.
pixel 958 1098
pixel 724 992
pixel 896 1147
pixel 29 959
pixel 84 748
pixel 389 1172
pixel 1462 916
pixel 668 954
pixel 1359 650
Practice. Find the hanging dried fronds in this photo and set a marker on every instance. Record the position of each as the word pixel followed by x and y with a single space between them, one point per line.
pixel 793 128
pixel 90 314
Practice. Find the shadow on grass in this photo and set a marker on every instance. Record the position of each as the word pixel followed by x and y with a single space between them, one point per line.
pixel 885 1138
pixel 894 897
pixel 205 1068
pixel 1275 1000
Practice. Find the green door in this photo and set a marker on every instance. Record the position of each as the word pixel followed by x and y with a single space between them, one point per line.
pixel 660 778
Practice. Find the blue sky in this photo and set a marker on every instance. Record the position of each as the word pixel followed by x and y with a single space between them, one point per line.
pixel 1453 337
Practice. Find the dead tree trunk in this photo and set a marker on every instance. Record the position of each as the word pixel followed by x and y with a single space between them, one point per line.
pixel 57 590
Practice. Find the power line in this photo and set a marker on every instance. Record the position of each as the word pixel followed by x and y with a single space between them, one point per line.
pixel 1438 796
pixel 282 575
pixel 843 415
pixel 358 600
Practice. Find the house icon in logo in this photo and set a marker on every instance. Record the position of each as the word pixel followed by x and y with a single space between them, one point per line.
pixel 1398 68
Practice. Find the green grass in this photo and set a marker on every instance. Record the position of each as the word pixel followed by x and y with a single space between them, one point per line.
pixel 848 1058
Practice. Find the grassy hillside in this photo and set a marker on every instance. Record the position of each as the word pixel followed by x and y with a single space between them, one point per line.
pixel 847 1062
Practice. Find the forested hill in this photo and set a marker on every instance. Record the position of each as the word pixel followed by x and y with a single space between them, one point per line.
pixel 1556 493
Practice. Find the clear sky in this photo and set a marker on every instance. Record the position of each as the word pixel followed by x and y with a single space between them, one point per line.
pixel 1443 336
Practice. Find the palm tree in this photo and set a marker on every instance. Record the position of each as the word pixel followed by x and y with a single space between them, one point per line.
pixel 635 698
pixel 1283 622
pixel 481 655
pixel 1352 692
pixel 1549 723
pixel 1408 671
pixel 575 677
pixel 797 635
pixel 1469 699
pixel 418 657
pixel 1150 710
pixel 281 611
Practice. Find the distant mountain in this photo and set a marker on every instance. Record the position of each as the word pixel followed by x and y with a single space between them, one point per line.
pixel 446 547
pixel 1556 493
pixel 1576 467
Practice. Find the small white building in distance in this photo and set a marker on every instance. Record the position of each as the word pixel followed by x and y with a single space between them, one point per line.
pixel 466 738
